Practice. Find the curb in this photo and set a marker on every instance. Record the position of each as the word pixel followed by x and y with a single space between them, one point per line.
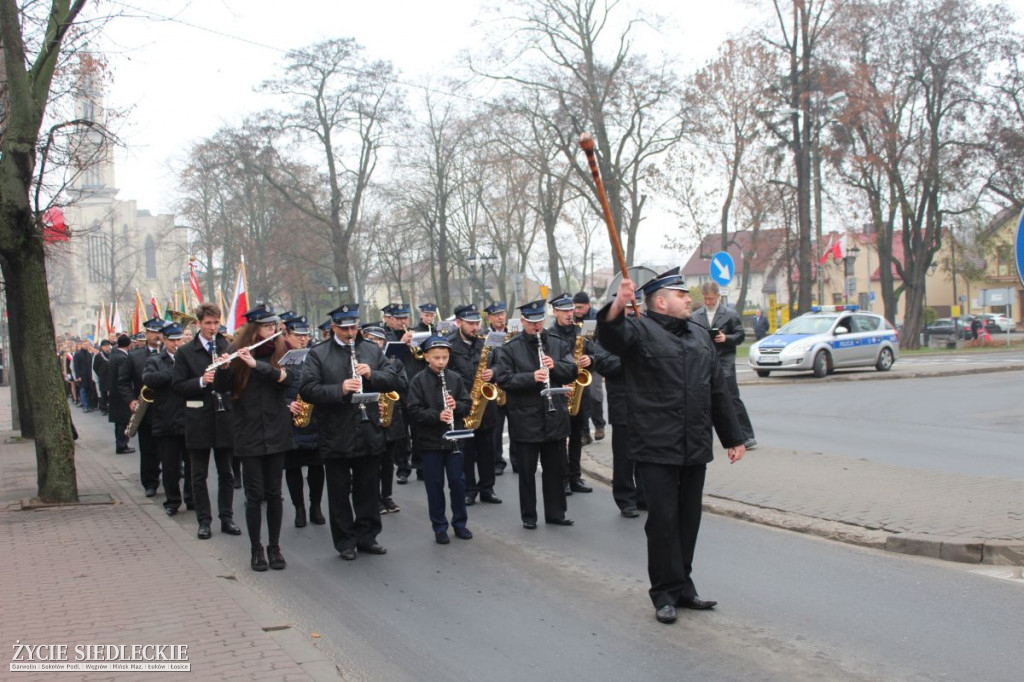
pixel 958 549
pixel 878 376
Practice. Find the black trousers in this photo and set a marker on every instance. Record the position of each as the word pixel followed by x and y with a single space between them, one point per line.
pixel 352 496
pixel 552 457
pixel 499 437
pixel 314 476
pixel 149 457
pixel 401 455
pixel 596 398
pixel 172 455
pixel 478 462
pixel 225 483
pixel 120 440
pixel 626 488
pixel 673 520
pixel 261 476
pixel 578 425
pixel 394 459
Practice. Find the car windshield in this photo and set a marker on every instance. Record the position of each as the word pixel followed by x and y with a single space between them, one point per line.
pixel 809 324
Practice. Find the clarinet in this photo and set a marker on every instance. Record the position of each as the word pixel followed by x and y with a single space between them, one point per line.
pixel 213 359
pixel 444 400
pixel 363 417
pixel 547 379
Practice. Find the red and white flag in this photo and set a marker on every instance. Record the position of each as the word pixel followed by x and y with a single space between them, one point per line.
pixel 115 319
pixel 836 249
pixel 239 302
pixel 154 305
pixel 193 281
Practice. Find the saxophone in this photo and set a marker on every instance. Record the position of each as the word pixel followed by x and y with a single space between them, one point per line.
pixel 482 393
pixel 583 378
pixel 386 403
pixel 302 419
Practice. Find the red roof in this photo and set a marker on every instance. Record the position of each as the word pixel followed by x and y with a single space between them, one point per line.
pixel 766 247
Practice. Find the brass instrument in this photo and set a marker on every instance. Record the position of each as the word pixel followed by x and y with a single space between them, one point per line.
pixel 302 419
pixel 140 411
pixel 417 352
pixel 386 403
pixel 583 378
pixel 482 392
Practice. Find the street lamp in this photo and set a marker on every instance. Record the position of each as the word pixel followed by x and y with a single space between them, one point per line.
pixel 851 276
pixel 473 259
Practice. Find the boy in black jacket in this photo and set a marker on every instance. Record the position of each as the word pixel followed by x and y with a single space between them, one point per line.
pixel 434 415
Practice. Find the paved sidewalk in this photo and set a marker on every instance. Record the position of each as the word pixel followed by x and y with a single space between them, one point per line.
pixel 123 573
pixel 950 516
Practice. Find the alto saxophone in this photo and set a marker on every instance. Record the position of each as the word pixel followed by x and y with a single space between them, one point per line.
pixel 386 403
pixel 583 379
pixel 305 415
pixel 482 393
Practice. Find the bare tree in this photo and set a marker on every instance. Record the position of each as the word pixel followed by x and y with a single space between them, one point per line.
pixel 1004 139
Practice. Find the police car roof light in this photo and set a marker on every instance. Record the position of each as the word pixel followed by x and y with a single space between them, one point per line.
pixel 833 308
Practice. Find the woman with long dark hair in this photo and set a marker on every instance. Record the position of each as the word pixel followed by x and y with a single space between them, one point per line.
pixel 262 426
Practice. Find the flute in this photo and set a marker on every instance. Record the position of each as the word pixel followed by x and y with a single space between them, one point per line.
pixel 363 416
pixel 224 361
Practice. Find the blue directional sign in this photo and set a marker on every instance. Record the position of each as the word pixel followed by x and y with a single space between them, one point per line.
pixel 722 268
pixel 1019 241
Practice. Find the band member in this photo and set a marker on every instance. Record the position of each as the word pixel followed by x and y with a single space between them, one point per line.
pixel 325 330
pixel 437 403
pixel 400 331
pixel 120 396
pixel 304 452
pixel 428 316
pixel 100 362
pixel 675 394
pixel 565 329
pixel 263 429
pixel 149 454
pixel 208 423
pixel 167 415
pixel 349 433
pixel 538 424
pixel 727 333
pixel 396 434
pixel 496 323
pixel 583 311
pixel 464 360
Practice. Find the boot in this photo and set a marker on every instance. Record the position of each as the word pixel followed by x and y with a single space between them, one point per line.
pixel 300 516
pixel 276 558
pixel 259 562
pixel 315 515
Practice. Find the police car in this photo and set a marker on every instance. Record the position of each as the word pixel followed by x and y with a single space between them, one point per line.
pixel 826 339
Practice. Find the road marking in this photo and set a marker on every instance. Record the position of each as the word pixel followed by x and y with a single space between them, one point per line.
pixel 1010 573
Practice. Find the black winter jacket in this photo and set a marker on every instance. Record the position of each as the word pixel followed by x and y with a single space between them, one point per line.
pixel 340 431
pixel 729 323
pixel 167 413
pixel 528 417
pixel 425 407
pixel 260 416
pixel 139 357
pixel 205 427
pixel 464 359
pixel 304 438
pixel 675 391
pixel 119 393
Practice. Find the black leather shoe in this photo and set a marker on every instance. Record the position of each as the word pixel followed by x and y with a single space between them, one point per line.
pixel 490 498
pixel 170 511
pixel 348 554
pixel 402 479
pixel 259 562
pixel 696 603
pixel 275 558
pixel 666 614
pixel 629 512
pixel 150 492
pixel 470 500
pixel 499 470
pixel 560 522
pixel 530 525
pixel 442 538
pixel 375 548
pixel 463 534
pixel 316 516
pixel 230 527
pixel 419 474
pixel 124 451
pixel 567 489
pixel 204 531
pixel 300 517
pixel 578 486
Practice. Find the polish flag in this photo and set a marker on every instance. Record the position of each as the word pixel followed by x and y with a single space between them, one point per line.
pixel 836 249
pixel 239 302
pixel 115 319
pixel 193 281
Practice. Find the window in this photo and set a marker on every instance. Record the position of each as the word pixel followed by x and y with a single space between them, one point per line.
pixel 98 257
pixel 865 323
pixel 150 257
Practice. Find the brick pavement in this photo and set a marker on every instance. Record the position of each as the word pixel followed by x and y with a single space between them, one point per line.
pixel 121 574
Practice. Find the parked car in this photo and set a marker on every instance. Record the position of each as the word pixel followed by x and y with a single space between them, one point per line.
pixel 943 327
pixel 826 339
pixel 997 323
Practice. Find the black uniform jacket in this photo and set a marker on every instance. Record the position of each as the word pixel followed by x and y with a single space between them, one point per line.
pixel 304 438
pixel 340 431
pixel 675 391
pixel 167 413
pixel 464 359
pixel 205 427
pixel 609 366
pixel 425 407
pixel 139 357
pixel 120 392
pixel 528 417
pixel 100 362
pixel 729 323
pixel 398 429
pixel 262 422
pixel 408 360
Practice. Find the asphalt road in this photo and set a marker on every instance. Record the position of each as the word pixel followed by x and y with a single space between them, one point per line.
pixel 967 424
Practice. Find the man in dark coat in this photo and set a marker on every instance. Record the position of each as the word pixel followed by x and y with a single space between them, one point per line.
pixel 100 361
pixel 761 325
pixel 538 424
pixel 478 451
pixel 149 453
pixel 675 394
pixel 727 333
pixel 496 322
pixel 208 423
pixel 396 317
pixel 396 434
pixel 583 311
pixel 349 436
pixel 81 364
pixel 121 399
pixel 167 420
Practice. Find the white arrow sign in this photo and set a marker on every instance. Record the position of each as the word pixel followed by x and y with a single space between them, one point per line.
pixel 723 270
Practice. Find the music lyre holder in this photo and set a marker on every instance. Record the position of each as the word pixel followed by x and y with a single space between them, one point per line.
pixel 561 390
pixel 365 397
pixel 458 434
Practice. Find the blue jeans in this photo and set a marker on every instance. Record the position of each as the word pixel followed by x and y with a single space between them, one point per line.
pixel 436 464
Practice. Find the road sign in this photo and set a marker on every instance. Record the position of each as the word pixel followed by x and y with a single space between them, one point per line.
pixel 1019 241
pixel 722 268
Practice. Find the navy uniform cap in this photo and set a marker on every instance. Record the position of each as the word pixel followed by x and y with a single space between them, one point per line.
pixel 324 326
pixel 262 314
pixel 666 280
pixel 141 336
pixel 533 311
pixel 467 312
pixel 386 310
pixel 562 302
pixel 346 315
pixel 154 325
pixel 298 325
pixel 288 315
pixel 435 342
pixel 428 308
pixel 375 331
pixel 172 331
pixel 496 307
pixel 222 330
pixel 400 310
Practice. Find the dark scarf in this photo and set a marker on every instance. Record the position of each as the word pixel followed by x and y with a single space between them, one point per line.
pixel 673 325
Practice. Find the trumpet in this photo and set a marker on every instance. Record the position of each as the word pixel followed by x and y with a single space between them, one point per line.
pixel 417 352
pixel 219 363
